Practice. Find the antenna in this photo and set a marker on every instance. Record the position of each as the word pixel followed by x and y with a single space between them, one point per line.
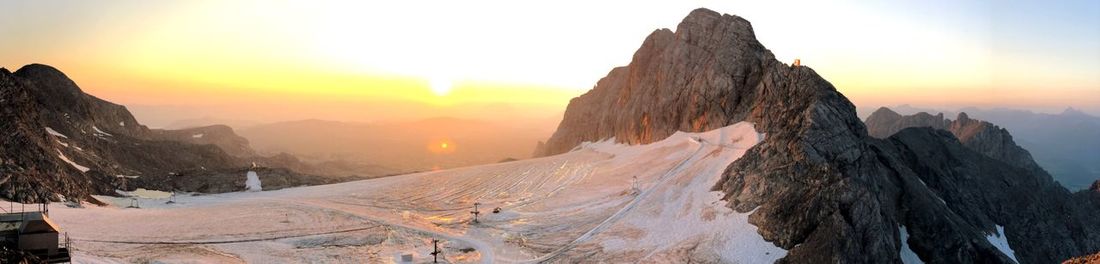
pixel 475 212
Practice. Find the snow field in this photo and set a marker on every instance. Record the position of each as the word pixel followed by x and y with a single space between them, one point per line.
pixel 570 207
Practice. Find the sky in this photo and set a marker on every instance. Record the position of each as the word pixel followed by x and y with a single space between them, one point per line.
pixel 384 60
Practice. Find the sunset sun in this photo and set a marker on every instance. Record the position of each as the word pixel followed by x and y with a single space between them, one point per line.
pixel 441 146
pixel 440 86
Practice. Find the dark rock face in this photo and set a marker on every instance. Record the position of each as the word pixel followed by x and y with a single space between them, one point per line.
pixel 1042 220
pixel 978 135
pixel 1067 144
pixel 60 143
pixel 820 186
pixel 884 122
pixel 218 135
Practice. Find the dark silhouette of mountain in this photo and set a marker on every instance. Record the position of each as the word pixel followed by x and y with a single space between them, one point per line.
pixel 1066 144
pixel 60 143
pixel 209 121
pixel 980 136
pixel 818 185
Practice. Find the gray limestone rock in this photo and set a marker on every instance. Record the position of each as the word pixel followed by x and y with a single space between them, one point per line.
pixel 819 185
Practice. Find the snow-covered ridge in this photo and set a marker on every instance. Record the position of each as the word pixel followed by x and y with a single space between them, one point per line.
pixel 569 207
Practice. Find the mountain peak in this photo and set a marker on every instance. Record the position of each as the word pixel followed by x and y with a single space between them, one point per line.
pixel 963 117
pixel 40 70
pixel 885 111
pixel 1070 111
pixel 817 180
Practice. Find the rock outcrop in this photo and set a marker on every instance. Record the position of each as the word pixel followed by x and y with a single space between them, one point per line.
pixel 218 135
pixel 61 143
pixel 884 122
pixel 978 135
pixel 818 185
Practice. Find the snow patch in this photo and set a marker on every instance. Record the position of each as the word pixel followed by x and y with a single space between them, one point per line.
pixel 121 123
pixel 252 184
pixel 1000 241
pixel 907 255
pixel 665 223
pixel 54 132
pixel 100 132
pixel 127 176
pixel 66 159
pixel 62 143
pixel 199 135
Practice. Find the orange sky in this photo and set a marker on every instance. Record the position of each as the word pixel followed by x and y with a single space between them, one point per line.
pixel 373 60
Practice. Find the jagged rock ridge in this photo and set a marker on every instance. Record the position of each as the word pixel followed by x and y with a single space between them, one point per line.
pixel 61 143
pixel 818 184
pixel 978 135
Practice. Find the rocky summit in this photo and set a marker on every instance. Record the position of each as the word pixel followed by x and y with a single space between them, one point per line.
pixel 819 185
pixel 60 143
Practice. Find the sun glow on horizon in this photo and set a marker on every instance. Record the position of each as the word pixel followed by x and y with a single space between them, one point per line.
pixel 440 86
pixel 441 146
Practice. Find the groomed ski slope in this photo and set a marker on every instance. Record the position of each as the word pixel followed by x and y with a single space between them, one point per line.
pixel 572 207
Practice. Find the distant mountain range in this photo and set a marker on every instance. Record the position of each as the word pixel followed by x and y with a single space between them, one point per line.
pixel 1066 144
pixel 63 144
pixel 818 185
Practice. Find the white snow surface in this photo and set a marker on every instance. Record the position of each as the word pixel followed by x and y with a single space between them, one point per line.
pixel 252 182
pixel 571 207
pixel 907 254
pixel 66 159
pixel 199 135
pixel 54 132
pixel 1000 241
pixel 121 123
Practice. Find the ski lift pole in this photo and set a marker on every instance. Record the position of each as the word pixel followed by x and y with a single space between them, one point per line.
pixel 435 250
pixel 475 212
